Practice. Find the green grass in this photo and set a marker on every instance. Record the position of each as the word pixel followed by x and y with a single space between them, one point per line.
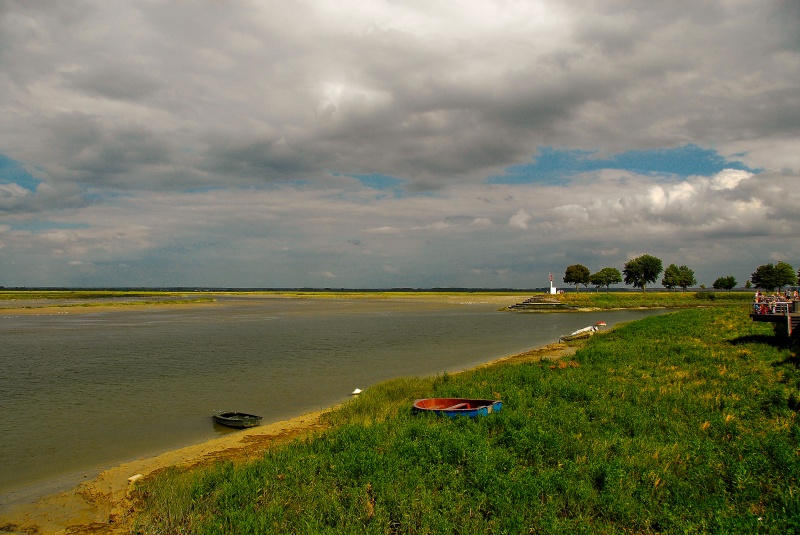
pixel 97 298
pixel 678 299
pixel 683 423
pixel 80 294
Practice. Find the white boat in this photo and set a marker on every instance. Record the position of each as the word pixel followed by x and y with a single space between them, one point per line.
pixel 586 332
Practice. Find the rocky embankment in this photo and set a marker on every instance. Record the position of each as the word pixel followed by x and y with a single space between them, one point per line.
pixel 540 303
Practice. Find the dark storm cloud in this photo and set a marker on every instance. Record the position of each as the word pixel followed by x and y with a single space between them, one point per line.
pixel 115 82
pixel 91 153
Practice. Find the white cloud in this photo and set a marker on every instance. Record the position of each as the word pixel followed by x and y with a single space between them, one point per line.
pixel 219 145
pixel 728 179
pixel 12 195
pixel 520 219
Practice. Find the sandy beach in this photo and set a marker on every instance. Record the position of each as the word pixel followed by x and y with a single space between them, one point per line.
pixel 102 505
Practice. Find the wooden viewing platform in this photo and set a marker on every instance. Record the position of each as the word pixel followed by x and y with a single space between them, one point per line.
pixel 779 312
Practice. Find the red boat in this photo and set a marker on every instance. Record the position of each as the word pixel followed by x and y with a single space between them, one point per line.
pixel 453 407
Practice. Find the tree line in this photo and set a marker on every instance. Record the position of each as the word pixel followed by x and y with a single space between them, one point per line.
pixel 643 270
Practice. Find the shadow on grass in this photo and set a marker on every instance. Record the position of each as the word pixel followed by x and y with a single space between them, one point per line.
pixel 777 341
pixel 767 339
pixel 793 359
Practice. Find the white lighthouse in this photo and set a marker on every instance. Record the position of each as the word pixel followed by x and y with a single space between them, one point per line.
pixel 553 290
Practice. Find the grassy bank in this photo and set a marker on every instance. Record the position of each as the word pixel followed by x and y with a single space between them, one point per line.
pixel 684 423
pixel 94 298
pixel 81 294
pixel 677 299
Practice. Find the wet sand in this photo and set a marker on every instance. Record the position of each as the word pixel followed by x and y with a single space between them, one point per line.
pixel 102 504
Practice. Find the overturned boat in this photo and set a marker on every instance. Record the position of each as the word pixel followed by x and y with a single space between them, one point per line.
pixel 586 332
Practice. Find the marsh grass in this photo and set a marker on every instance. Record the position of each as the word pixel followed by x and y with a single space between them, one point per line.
pixel 682 423
pixel 81 294
pixel 677 299
pixel 98 298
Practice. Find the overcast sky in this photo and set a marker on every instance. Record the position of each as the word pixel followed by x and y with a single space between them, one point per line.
pixel 402 143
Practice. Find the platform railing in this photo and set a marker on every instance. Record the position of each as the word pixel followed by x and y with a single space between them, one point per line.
pixel 773 307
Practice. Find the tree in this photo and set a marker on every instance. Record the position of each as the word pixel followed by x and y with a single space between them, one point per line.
pixel 771 277
pixel 686 278
pixel 606 277
pixel 725 283
pixel 642 270
pixel 672 277
pixel 678 277
pixel 577 274
pixel 786 275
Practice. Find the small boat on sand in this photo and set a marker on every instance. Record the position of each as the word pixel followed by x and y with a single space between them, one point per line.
pixel 586 332
pixel 239 420
pixel 453 407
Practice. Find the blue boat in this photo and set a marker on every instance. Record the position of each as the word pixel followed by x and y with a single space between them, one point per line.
pixel 453 407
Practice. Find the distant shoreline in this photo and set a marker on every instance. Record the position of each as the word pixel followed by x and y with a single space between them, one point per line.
pixel 58 305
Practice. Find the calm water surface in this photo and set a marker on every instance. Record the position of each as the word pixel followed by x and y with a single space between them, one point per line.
pixel 82 391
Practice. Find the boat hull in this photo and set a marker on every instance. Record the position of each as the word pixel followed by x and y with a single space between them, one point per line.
pixel 453 407
pixel 237 420
pixel 586 332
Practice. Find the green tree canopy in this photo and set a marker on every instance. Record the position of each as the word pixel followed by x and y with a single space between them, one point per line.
pixel 725 283
pixel 577 274
pixel 771 277
pixel 606 277
pixel 642 270
pixel 678 277
pixel 672 277
pixel 687 277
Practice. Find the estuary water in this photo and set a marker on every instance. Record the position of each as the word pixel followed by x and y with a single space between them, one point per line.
pixel 83 391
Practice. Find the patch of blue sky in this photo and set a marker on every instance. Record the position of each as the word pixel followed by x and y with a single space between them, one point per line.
pixel 98 195
pixel 556 166
pixel 41 225
pixel 387 184
pixel 379 181
pixel 13 172
pixel 272 185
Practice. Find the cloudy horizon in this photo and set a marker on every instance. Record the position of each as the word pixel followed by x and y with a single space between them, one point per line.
pixel 476 144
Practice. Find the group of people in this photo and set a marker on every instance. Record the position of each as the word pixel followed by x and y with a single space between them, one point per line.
pixel 775 303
